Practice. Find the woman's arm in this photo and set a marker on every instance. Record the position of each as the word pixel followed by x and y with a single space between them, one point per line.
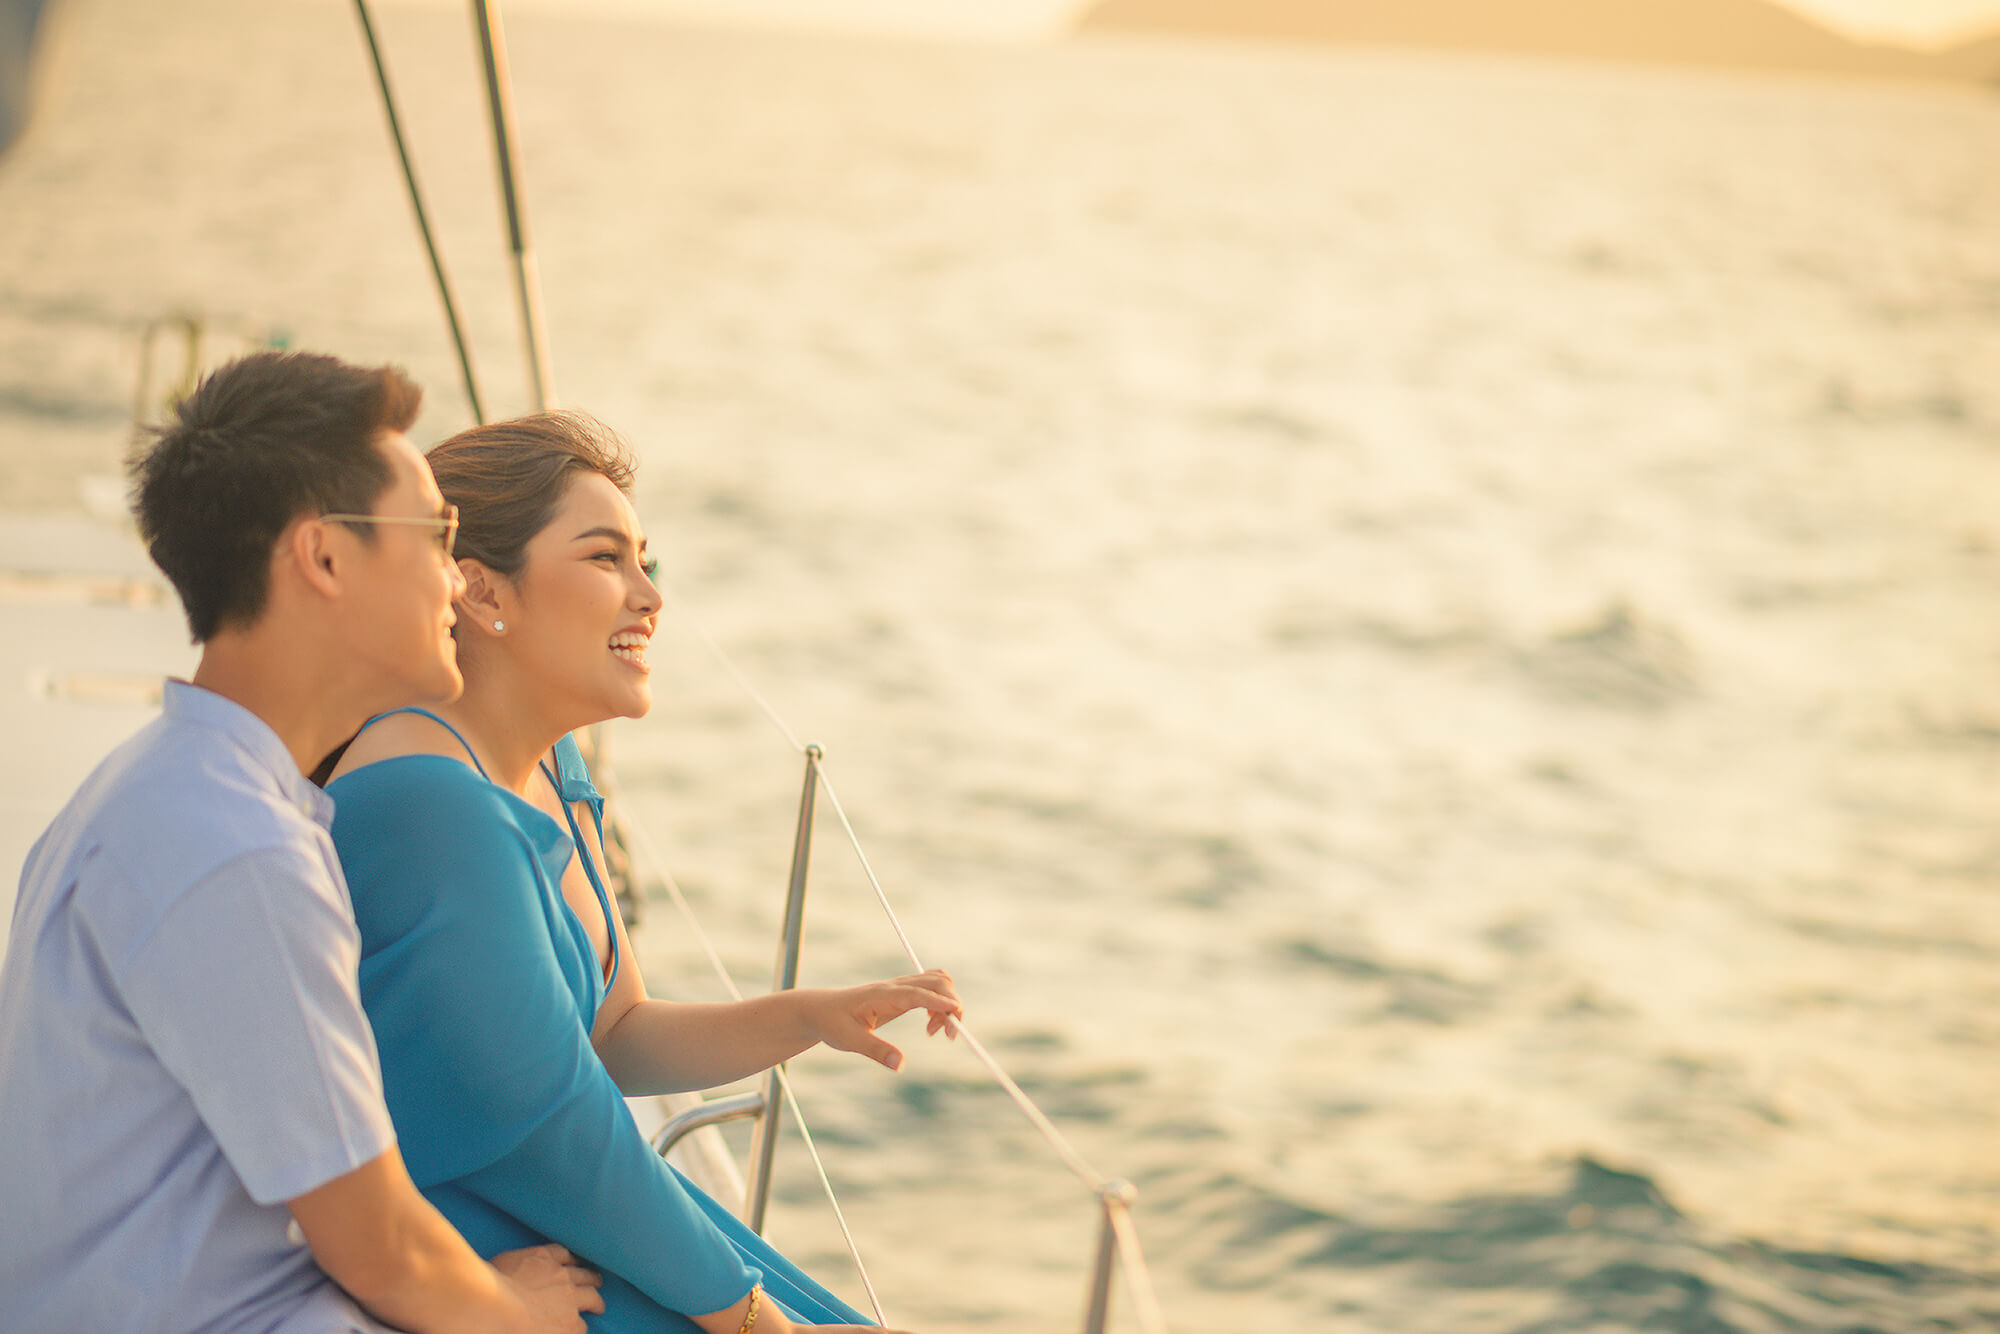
pixel 654 1046
pixel 657 1046
pixel 486 1068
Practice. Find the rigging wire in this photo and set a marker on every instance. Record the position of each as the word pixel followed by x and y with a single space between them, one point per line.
pixel 1075 1161
pixel 659 864
pixel 687 619
pixel 1113 1195
pixel 423 217
pixel 1090 1176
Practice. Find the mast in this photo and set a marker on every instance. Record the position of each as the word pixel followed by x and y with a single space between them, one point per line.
pixel 423 216
pixel 506 148
pixel 19 22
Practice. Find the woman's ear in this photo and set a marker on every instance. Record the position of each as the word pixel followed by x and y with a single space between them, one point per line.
pixel 481 601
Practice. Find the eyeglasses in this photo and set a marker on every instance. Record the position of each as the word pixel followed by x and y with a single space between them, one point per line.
pixel 446 524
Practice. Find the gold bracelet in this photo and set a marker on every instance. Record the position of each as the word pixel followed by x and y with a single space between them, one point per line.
pixel 750 1316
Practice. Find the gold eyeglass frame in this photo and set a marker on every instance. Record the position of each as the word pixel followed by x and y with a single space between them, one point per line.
pixel 448 521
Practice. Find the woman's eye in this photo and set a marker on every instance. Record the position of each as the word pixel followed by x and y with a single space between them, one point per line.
pixel 651 568
pixel 610 556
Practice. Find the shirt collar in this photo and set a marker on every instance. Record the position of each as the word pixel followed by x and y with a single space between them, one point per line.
pixel 185 702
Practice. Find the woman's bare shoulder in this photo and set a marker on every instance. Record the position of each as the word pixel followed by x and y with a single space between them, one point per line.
pixel 400 734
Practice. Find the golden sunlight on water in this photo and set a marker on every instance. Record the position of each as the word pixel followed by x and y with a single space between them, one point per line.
pixel 1416 630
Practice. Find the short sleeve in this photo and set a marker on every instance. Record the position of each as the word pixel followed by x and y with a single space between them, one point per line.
pixel 246 991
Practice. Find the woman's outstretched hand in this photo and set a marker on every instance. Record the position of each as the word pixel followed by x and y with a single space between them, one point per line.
pixel 846 1019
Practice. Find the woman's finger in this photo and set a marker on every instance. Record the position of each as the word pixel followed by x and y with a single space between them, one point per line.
pixel 912 998
pixel 884 1001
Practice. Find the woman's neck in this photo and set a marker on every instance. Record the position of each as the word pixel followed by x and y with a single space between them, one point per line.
pixel 509 737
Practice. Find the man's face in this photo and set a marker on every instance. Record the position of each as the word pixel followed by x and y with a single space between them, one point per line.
pixel 399 616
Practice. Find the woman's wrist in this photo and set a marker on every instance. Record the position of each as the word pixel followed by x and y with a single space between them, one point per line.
pixel 754 1314
pixel 809 1014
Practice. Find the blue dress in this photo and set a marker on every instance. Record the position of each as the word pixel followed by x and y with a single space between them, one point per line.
pixel 482 987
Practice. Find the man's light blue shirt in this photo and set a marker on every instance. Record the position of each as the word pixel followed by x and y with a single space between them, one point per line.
pixel 182 1044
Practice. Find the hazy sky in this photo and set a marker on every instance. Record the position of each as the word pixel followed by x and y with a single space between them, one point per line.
pixel 1915 21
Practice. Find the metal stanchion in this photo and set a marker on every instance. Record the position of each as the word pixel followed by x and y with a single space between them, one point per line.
pixel 764 1143
pixel 1115 1195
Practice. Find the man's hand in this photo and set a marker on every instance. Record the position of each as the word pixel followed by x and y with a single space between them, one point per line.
pixel 552 1285
pixel 395 1254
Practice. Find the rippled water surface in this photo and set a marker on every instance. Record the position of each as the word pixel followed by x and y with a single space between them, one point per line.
pixel 1418 632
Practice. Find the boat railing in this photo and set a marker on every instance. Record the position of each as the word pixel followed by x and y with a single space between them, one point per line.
pixel 1118 1249
pixel 193 335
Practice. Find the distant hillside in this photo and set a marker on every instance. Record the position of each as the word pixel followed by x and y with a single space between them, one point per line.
pixel 1742 33
pixel 1976 59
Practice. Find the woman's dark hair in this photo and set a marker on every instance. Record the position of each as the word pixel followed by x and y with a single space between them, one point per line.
pixel 258 444
pixel 507 478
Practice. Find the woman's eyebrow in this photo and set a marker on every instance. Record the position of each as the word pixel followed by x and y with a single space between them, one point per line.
pixel 611 534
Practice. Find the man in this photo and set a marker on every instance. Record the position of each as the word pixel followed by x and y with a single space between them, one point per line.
pixel 192 1132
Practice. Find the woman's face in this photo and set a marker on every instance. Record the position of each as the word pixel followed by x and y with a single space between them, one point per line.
pixel 584 606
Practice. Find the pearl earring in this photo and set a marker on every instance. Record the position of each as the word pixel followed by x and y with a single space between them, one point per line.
pixel 499 626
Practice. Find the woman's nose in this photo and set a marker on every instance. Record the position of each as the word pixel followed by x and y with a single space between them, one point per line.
pixel 645 594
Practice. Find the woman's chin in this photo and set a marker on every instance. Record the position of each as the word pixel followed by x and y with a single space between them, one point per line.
pixel 634 702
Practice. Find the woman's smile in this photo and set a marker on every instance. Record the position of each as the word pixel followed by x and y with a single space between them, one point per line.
pixel 629 646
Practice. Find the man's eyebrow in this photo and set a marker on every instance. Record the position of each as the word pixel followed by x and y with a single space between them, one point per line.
pixel 612 533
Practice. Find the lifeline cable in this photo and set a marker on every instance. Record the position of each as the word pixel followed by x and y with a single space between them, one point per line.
pixel 1138 1276
pixel 666 877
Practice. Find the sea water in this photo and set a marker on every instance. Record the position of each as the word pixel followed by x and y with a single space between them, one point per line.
pixel 1418 632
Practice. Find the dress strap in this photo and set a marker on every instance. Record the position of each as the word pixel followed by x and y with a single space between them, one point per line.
pixel 589 862
pixel 586 793
pixel 412 708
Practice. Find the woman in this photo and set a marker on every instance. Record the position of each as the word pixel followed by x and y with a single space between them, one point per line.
pixel 507 1007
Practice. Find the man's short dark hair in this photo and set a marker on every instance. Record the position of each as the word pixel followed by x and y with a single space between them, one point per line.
pixel 259 443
